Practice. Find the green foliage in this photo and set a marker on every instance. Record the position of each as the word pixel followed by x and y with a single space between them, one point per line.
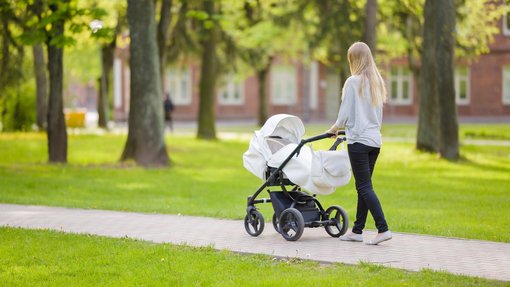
pixel 477 23
pixel 32 21
pixel 82 62
pixel 476 26
pixel 17 107
pixel 328 27
pixel 34 257
pixel 257 37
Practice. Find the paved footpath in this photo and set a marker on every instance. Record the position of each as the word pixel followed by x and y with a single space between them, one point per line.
pixel 406 251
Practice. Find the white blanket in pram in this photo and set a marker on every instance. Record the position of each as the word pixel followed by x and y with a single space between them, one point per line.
pixel 318 172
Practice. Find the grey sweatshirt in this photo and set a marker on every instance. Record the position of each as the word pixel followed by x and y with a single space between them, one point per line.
pixel 362 120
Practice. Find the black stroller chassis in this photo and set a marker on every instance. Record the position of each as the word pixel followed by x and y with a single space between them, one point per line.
pixel 294 209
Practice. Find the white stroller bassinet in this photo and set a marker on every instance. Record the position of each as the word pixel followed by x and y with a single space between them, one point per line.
pixel 318 172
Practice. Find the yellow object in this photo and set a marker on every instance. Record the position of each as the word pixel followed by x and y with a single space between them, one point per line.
pixel 75 119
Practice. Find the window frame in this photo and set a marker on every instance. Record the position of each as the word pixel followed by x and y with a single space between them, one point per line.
pixel 506 29
pixel 229 85
pixel 178 74
pixel 505 100
pixel 282 77
pixel 400 78
pixel 458 79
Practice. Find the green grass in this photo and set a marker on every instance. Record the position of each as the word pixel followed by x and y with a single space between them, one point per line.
pixel 419 192
pixel 49 258
pixel 480 131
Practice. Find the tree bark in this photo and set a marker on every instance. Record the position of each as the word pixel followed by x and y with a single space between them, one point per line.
pixel 262 79
pixel 437 126
pixel 370 36
pixel 103 103
pixel 208 76
pixel 163 39
pixel 57 134
pixel 445 46
pixel 41 87
pixel 145 142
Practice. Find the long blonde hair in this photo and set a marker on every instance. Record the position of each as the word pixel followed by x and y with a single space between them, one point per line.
pixel 362 63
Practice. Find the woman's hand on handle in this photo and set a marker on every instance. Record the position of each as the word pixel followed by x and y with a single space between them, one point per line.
pixel 333 131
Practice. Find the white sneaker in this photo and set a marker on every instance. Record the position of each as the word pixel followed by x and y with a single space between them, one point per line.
pixel 380 237
pixel 352 237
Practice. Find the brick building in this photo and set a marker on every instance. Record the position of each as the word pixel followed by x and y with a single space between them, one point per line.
pixel 312 92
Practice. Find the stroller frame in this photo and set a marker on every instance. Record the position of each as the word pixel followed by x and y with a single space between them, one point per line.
pixel 294 210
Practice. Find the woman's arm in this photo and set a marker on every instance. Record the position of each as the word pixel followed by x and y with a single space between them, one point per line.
pixel 345 107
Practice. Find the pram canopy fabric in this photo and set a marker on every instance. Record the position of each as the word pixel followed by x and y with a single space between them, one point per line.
pixel 318 172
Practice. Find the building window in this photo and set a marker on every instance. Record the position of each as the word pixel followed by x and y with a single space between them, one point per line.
pixel 506 85
pixel 178 84
pixel 506 24
pixel 462 93
pixel 283 85
pixel 231 92
pixel 400 86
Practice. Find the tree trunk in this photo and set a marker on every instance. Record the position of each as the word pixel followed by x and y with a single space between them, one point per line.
pixel 103 103
pixel 428 119
pixel 57 134
pixel 163 38
pixel 208 75
pixel 437 126
pixel 262 79
pixel 370 36
pixel 449 129
pixel 41 87
pixel 145 142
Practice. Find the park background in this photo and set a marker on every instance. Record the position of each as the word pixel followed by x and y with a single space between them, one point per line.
pixel 444 168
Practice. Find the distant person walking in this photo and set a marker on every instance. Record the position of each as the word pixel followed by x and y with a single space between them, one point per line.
pixel 361 115
pixel 169 108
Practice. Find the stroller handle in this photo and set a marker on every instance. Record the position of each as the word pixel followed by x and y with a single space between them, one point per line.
pixel 322 136
pixel 337 143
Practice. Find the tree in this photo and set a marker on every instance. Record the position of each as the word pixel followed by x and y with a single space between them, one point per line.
pixel 163 35
pixel 12 73
pixel 40 73
pixel 208 73
pixel 329 28
pixel 41 86
pixel 444 29
pixel 57 133
pixel 145 143
pixel 108 39
pixel 259 39
pixel 474 21
pixel 49 22
pixel 370 35
pixel 438 126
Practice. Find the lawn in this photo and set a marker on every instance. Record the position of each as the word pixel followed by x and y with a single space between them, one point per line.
pixel 478 131
pixel 419 192
pixel 49 258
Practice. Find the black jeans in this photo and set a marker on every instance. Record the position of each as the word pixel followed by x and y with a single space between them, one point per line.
pixel 363 160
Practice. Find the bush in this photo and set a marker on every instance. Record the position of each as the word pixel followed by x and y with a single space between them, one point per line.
pixel 17 107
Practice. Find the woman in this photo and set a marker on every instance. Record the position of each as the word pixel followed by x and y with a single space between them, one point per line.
pixel 360 114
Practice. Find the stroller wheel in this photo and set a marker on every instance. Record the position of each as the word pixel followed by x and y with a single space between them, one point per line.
pixel 275 223
pixel 254 223
pixel 291 224
pixel 341 223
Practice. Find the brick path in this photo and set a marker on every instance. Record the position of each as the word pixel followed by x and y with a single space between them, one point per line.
pixel 406 251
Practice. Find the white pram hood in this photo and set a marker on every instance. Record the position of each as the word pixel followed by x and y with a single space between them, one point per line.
pixel 318 172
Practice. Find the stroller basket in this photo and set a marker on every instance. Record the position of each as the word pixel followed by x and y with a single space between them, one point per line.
pixel 307 207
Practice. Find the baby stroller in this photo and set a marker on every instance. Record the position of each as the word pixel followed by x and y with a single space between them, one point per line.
pixel 278 156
